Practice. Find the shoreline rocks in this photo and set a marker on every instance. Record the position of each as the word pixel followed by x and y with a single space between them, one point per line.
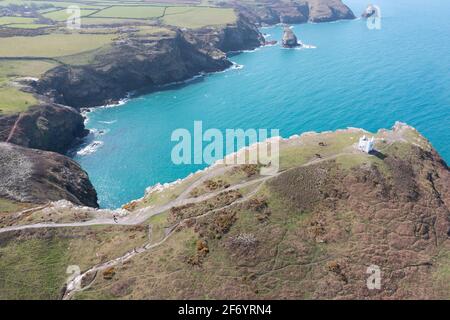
pixel 36 176
pixel 290 39
pixel 174 58
pixel 144 64
pixel 49 127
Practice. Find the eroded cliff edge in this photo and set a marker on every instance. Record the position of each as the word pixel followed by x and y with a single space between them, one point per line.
pixel 147 62
pixel 36 176
pixel 297 11
pixel 310 231
pixel 136 61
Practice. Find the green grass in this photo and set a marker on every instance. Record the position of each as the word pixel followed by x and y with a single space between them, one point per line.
pixel 22 20
pixel 56 4
pixel 197 17
pixel 52 45
pixel 62 15
pixel 109 21
pixel 33 269
pixel 7 206
pixel 133 12
pixel 27 25
pixel 299 154
pixel 356 160
pixel 20 68
pixel 12 100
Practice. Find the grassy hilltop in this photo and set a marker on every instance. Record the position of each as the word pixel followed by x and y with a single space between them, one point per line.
pixel 310 231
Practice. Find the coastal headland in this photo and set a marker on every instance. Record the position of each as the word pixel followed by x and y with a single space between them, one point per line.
pixel 120 49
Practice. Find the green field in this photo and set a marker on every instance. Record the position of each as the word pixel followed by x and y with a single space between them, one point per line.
pixel 52 45
pixel 133 12
pixel 197 17
pixel 28 26
pixel 12 99
pixel 41 35
pixel 62 15
pixel 8 20
pixel 88 21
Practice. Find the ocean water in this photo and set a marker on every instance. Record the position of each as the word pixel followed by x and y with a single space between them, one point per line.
pixel 350 76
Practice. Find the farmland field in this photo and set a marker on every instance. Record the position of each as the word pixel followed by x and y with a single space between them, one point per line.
pixel 61 15
pixel 35 32
pixel 8 20
pixel 11 98
pixel 133 12
pixel 52 45
pixel 197 17
pixel 27 25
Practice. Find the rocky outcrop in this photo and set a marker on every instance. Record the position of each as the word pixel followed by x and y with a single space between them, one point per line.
pixel 137 63
pixel 140 62
pixel 290 39
pixel 242 35
pixel 36 176
pixel 369 12
pixel 328 10
pixel 295 11
pixel 48 127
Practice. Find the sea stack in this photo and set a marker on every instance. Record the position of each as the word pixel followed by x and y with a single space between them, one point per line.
pixel 290 39
pixel 369 12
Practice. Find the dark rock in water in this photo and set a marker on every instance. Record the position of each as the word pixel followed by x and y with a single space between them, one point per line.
pixel 271 43
pixel 370 12
pixel 48 127
pixel 36 176
pixel 290 39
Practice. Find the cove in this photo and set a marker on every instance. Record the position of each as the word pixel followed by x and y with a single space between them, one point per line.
pixel 351 76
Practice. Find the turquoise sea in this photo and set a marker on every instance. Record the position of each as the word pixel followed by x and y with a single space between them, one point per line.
pixel 353 77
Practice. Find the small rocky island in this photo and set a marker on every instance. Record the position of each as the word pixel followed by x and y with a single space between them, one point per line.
pixel 369 12
pixel 290 39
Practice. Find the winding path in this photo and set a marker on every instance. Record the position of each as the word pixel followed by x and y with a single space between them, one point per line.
pixel 144 214
pixel 74 285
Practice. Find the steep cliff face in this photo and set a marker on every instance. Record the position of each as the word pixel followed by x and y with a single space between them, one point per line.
pixel 237 37
pixel 134 64
pixel 328 10
pixel 48 127
pixel 35 176
pixel 299 11
pixel 289 39
pixel 311 231
pixel 146 62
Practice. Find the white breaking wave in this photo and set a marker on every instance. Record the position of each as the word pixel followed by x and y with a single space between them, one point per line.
pixel 306 46
pixel 90 148
pixel 237 66
pixel 108 122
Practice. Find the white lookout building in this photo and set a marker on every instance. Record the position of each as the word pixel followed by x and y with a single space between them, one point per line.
pixel 365 144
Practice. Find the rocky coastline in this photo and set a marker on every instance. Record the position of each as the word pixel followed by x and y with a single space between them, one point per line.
pixel 36 176
pixel 139 63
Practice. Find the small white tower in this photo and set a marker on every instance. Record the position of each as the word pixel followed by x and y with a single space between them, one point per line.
pixel 365 144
